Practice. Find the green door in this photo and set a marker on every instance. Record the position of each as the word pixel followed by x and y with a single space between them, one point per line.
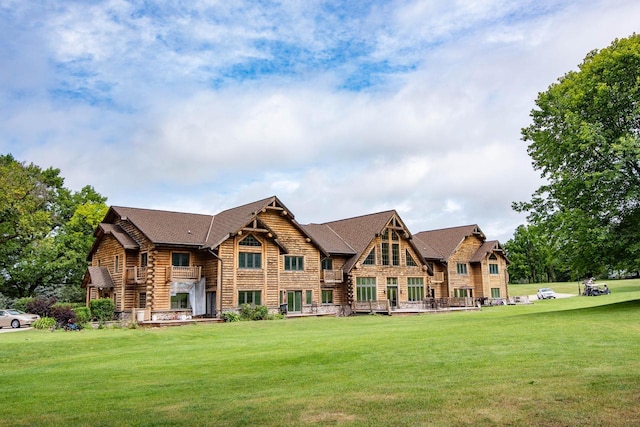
pixel 392 295
pixel 294 301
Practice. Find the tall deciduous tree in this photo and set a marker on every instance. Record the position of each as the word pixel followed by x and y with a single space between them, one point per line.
pixel 585 141
pixel 45 230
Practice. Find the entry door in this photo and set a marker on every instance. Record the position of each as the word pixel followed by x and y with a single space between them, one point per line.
pixel 211 304
pixel 294 301
pixel 392 295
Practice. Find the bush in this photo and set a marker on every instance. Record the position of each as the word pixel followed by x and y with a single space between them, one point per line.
pixel 22 303
pixel 102 309
pixel 40 306
pixel 253 312
pixel 44 323
pixel 83 314
pixel 63 313
pixel 230 316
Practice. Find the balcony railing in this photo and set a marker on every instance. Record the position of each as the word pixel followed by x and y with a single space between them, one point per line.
pixel 332 276
pixel 438 277
pixel 175 273
pixel 136 275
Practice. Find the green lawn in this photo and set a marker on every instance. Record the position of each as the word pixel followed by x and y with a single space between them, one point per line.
pixel 573 361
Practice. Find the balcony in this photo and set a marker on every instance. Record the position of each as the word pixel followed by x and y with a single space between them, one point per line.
pixel 177 274
pixel 136 275
pixel 332 276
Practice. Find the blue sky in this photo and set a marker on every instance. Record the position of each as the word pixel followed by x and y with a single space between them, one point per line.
pixel 338 108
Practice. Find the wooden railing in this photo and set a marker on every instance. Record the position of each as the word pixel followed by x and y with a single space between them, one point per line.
pixel 136 275
pixel 184 273
pixel 332 276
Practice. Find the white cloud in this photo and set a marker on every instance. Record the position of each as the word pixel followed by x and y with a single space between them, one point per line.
pixel 204 108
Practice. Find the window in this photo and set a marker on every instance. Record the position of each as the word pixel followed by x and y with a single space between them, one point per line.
pixel 327 264
pixel 250 260
pixel 392 281
pixel 249 297
pixel 461 268
pixel 180 259
pixel 366 289
pixel 493 268
pixel 327 296
pixel 309 297
pixel 250 241
pixel 180 300
pixel 461 293
pixel 142 300
pixel 117 264
pixel 495 292
pixel 144 259
pixel 385 253
pixel 410 261
pixel 293 263
pixel 395 253
pixel 415 288
pixel 371 258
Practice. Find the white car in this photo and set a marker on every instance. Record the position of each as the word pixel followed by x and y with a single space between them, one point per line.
pixel 546 293
pixel 16 318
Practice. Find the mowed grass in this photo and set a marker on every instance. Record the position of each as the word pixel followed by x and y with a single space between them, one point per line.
pixel 573 361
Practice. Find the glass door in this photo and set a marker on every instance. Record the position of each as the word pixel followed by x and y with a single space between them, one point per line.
pixel 294 301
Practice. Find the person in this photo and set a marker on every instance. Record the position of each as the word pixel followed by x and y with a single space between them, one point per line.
pixel 606 290
pixel 72 326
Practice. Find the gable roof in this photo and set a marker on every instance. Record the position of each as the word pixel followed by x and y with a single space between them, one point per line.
pixel 445 241
pixel 329 239
pixel 165 227
pixel 488 248
pixel 99 277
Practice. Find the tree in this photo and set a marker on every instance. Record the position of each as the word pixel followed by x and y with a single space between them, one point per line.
pixel 45 231
pixel 585 141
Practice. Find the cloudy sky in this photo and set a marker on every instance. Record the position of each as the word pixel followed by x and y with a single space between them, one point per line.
pixel 340 108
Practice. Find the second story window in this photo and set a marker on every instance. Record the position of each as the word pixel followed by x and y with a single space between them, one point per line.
pixel 144 259
pixel 410 261
pixel 327 264
pixel 293 263
pixel 180 259
pixel 251 260
pixel 371 258
pixel 461 268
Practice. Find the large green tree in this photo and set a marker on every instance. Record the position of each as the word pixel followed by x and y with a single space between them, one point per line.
pixel 585 140
pixel 45 230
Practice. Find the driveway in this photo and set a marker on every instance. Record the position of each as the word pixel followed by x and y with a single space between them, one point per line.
pixel 23 328
pixel 534 297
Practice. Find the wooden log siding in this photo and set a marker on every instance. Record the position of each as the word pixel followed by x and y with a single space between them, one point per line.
pixel 464 253
pixel 298 245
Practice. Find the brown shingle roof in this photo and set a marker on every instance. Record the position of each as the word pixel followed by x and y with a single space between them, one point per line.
pixel 445 241
pixel 486 249
pixel 98 277
pixel 120 235
pixel 329 239
pixel 426 250
pixel 164 227
pixel 230 221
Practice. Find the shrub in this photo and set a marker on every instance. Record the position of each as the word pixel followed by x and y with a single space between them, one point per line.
pixel 45 323
pixel 253 312
pixel 40 306
pixel 22 303
pixel 63 313
pixel 102 309
pixel 230 316
pixel 83 314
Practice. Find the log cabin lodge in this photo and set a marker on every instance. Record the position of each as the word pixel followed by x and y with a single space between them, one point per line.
pixel 159 265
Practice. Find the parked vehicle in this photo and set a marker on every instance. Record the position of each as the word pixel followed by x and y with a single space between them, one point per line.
pixel 16 318
pixel 546 293
pixel 593 290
